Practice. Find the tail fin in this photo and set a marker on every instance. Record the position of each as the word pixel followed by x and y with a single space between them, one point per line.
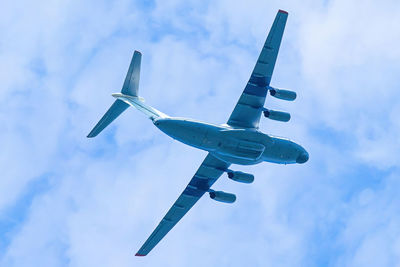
pixel 130 88
pixel 131 84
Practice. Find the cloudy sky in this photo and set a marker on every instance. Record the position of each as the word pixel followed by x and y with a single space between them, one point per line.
pixel 66 200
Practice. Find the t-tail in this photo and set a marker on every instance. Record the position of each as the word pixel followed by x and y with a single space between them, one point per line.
pixel 128 97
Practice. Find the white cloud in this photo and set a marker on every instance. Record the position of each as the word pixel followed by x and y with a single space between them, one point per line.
pixel 107 194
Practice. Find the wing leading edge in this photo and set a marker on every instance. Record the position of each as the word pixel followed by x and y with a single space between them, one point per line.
pixel 248 109
pixel 209 171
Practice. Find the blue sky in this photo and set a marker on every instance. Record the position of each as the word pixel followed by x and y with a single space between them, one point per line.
pixel 66 200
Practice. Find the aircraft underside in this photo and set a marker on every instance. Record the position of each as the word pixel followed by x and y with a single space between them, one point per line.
pixel 232 145
pixel 236 142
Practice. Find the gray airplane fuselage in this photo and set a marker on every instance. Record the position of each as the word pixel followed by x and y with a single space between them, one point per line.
pixel 233 145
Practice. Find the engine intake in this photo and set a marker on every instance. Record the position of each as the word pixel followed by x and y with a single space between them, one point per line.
pixel 222 196
pixel 282 94
pixel 276 115
pixel 241 177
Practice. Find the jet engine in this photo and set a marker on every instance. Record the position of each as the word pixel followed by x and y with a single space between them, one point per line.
pixel 241 177
pixel 222 196
pixel 282 94
pixel 276 115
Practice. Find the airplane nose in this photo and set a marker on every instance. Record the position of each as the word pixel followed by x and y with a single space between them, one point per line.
pixel 302 158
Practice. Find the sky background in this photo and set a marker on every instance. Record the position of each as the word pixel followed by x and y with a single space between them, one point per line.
pixel 66 200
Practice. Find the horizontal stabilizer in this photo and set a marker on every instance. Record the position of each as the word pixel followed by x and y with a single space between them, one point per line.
pixel 130 88
pixel 112 113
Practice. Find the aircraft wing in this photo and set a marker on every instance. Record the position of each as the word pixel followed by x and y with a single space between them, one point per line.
pixel 209 171
pixel 248 110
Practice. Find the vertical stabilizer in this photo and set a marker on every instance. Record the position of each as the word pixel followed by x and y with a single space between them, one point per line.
pixel 131 84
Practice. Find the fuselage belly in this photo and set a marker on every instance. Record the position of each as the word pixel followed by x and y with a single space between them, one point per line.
pixel 237 146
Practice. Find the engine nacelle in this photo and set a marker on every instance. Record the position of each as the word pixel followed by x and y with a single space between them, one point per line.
pixel 282 94
pixel 241 177
pixel 276 115
pixel 222 196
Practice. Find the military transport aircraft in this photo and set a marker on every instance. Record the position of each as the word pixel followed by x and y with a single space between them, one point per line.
pixel 239 141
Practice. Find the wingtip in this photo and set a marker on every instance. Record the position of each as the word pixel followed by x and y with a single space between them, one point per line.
pixel 93 133
pixel 283 11
pixel 139 255
pixel 138 52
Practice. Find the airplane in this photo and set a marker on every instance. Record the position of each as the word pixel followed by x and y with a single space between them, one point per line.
pixel 239 141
